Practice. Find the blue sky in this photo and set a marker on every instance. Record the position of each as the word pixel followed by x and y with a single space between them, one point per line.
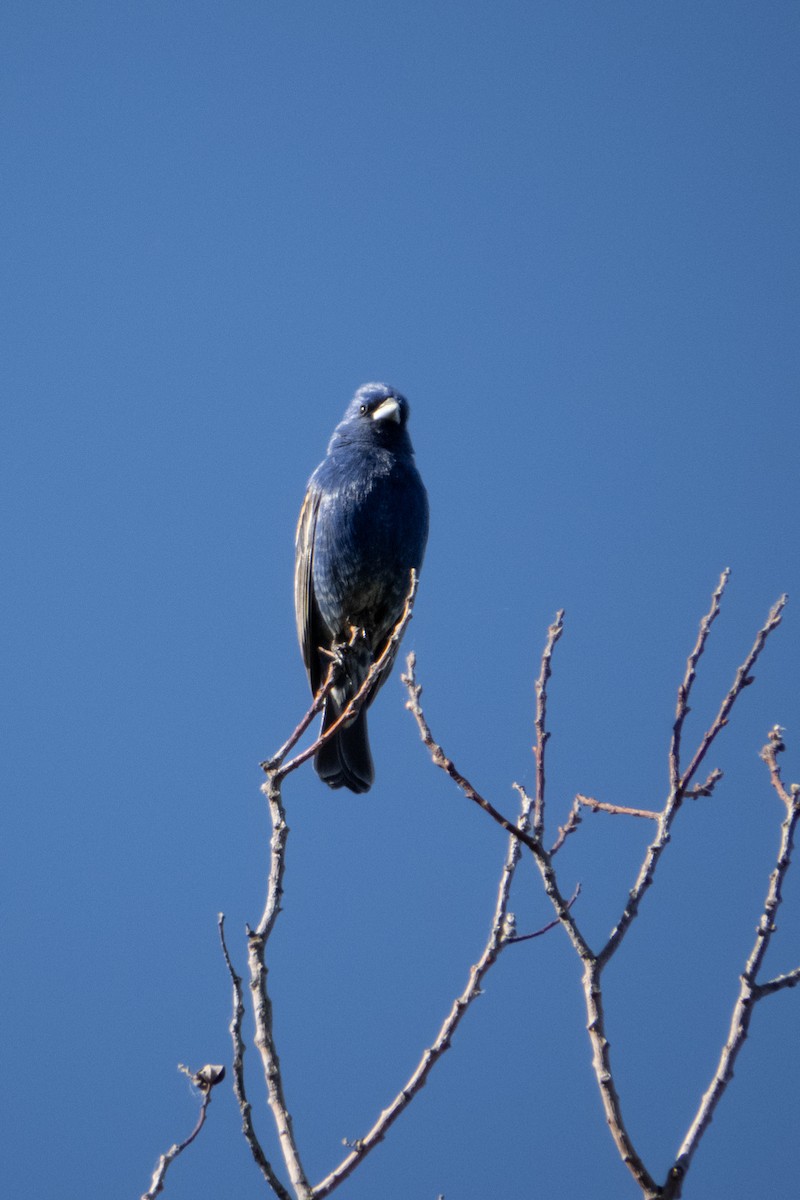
pixel 569 234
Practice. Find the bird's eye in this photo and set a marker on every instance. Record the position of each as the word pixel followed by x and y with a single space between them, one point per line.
pixel 363 409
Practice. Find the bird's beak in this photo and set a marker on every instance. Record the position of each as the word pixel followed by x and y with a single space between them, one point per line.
pixel 387 410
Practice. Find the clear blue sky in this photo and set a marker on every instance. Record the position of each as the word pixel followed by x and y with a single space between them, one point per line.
pixel 569 233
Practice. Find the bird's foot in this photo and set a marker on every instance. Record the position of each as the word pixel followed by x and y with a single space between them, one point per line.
pixel 353 660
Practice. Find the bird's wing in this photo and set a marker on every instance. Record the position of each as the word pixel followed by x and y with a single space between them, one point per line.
pixel 305 606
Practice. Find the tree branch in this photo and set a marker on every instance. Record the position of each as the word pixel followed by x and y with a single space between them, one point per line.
pixel 499 937
pixel 592 968
pixel 542 736
pixel 617 809
pixel 248 1129
pixel 771 986
pixel 742 680
pixel 262 1005
pixel 447 765
pixel 205 1080
pixel 570 825
pixel 750 991
pixel 594 964
pixel 682 709
pixel 678 790
pixel 275 765
pixel 276 770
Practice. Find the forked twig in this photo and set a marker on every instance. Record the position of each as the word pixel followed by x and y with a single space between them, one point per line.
pixel 500 936
pixel 677 791
pixel 594 963
pixel 205 1080
pixel 276 770
pixel 682 706
pixel 750 990
pixel 570 825
pixel 447 765
pixel 248 1129
pixel 528 937
pixel 275 766
pixel 543 859
pixel 742 680
pixel 262 1004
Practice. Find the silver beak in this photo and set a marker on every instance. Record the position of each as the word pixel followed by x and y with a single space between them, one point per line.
pixel 387 410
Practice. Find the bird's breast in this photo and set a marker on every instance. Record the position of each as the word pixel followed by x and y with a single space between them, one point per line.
pixel 370 531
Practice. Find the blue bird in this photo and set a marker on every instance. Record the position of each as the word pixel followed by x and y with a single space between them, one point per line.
pixel 362 527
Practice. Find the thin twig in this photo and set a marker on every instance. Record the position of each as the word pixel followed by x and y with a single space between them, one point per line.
pixel 618 809
pixel 528 937
pixel 595 1024
pixel 205 1081
pixel 742 680
pixel 750 991
pixel 592 970
pixel 769 754
pixel 570 825
pixel 446 764
pixel 706 789
pixel 262 1005
pixel 656 848
pixel 237 1038
pixel 272 764
pixel 682 706
pixel 542 736
pixel 771 986
pixel 499 937
pixel 357 702
pixel 594 964
pixel 276 770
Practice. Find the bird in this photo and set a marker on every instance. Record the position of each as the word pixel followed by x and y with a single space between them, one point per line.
pixel 363 527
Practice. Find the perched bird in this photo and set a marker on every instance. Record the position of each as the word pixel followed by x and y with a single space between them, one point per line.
pixel 362 527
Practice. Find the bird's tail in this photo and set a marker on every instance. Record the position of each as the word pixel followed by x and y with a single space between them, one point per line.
pixel 345 761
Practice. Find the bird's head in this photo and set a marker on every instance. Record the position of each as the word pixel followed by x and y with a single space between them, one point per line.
pixel 377 414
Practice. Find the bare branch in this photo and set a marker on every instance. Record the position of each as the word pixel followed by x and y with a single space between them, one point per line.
pixel 544 862
pixel 775 746
pixel 700 790
pixel 682 708
pixel 503 932
pixel 601 1063
pixel 750 991
pixel 667 816
pixel 205 1080
pixel 617 809
pixel 354 706
pixel 446 764
pixel 528 937
pixel 742 680
pixel 771 986
pixel 542 736
pixel 499 937
pixel 570 825
pixel 276 769
pixel 262 1005
pixel 272 764
pixel 248 1128
pixel 595 1024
